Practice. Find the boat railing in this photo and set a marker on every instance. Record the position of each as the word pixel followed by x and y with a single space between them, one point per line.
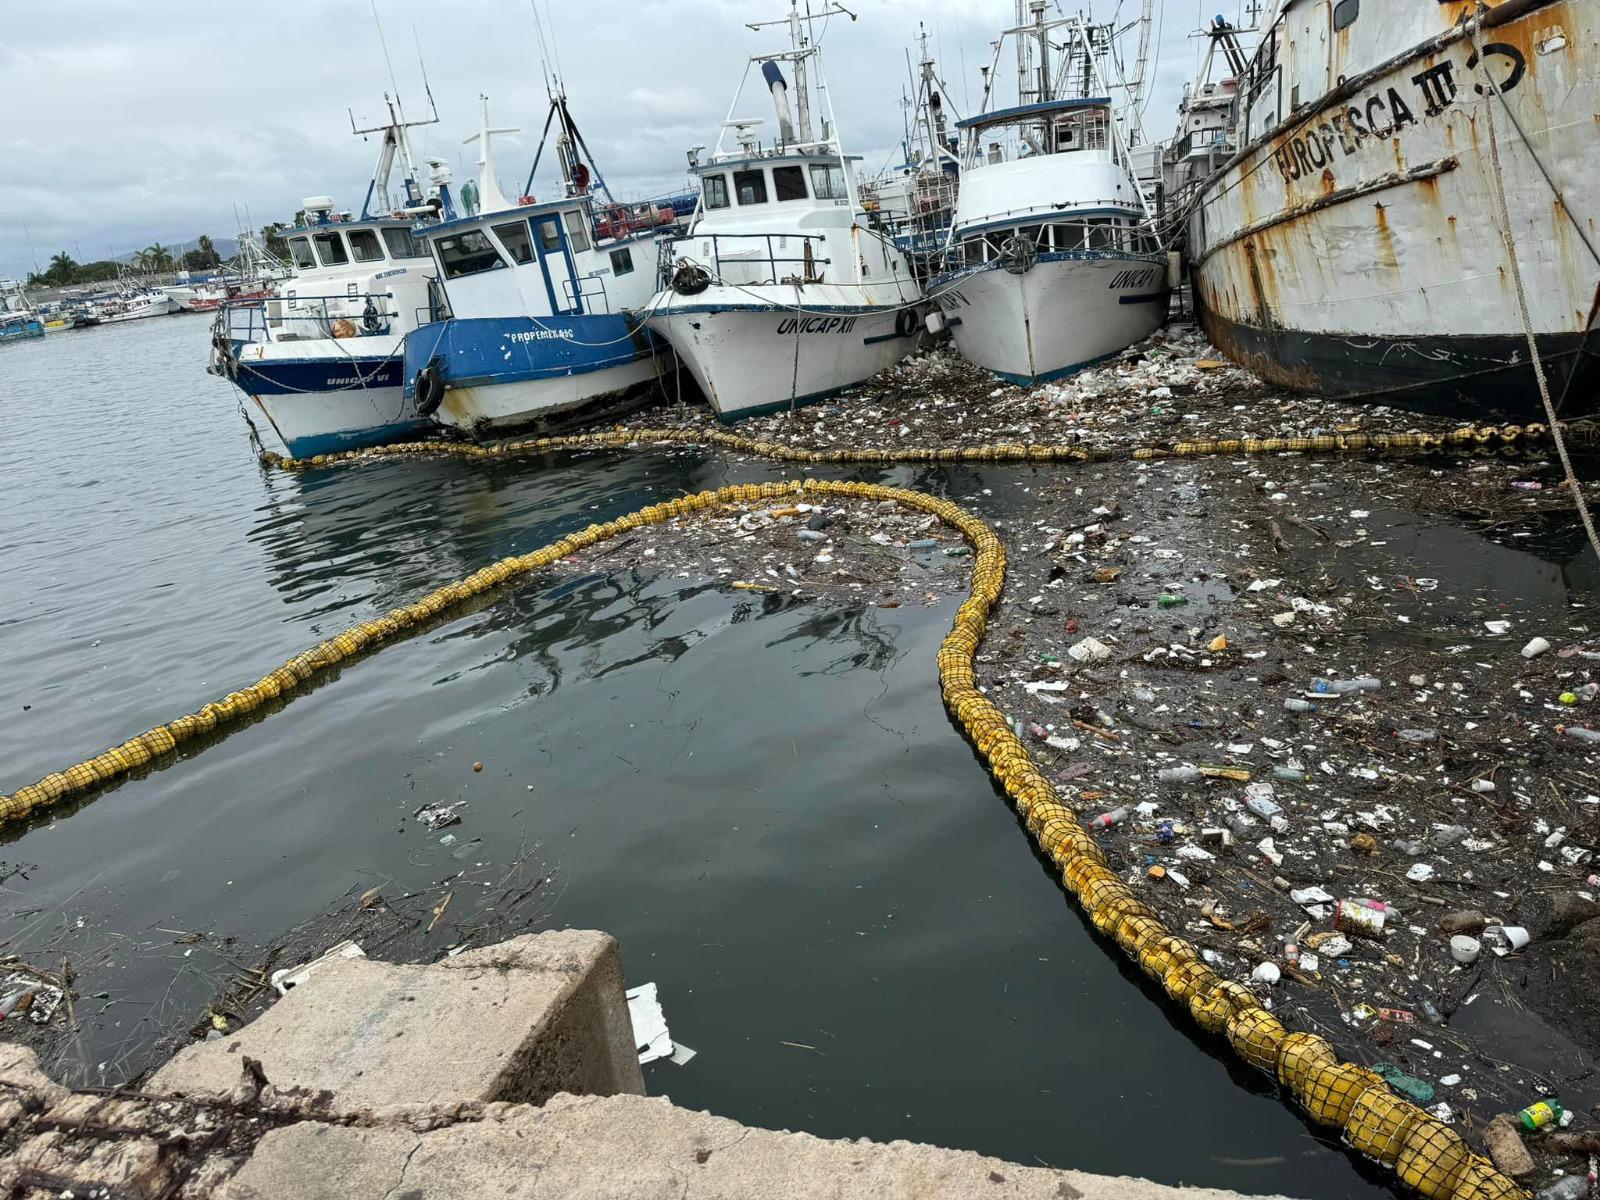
pixel 751 259
pixel 301 317
pixel 1088 236
pixel 590 291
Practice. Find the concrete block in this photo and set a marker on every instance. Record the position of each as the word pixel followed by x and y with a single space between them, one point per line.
pixel 519 1021
pixel 589 1148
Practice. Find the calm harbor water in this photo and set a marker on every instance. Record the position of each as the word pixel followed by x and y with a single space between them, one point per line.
pixel 764 801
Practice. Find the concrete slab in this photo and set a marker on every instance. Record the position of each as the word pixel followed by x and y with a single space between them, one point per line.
pixel 589 1148
pixel 519 1021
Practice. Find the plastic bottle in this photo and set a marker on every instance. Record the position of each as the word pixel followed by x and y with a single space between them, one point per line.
pixel 1107 819
pixel 1183 774
pixel 1294 704
pixel 1540 1114
pixel 1572 1187
pixel 1448 835
pixel 1289 773
pixel 1419 735
pixel 10 1003
pixel 1342 687
pixel 1039 731
pixel 922 544
pixel 1170 601
pixel 1579 732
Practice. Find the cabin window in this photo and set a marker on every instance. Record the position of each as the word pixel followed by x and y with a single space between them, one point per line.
pixel 1102 233
pixel 300 251
pixel 364 245
pixel 1345 12
pixel 549 232
pixel 514 237
pixel 330 249
pixel 621 262
pixel 401 244
pixel 468 253
pixel 750 186
pixel 1066 138
pixel 789 183
pixel 716 190
pixel 1067 237
pixel 827 182
pixel 577 233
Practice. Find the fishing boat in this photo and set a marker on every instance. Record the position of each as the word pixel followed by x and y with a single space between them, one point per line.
pixel 132 304
pixel 322 357
pixel 1054 261
pixel 18 320
pixel 782 292
pixel 1354 244
pixel 539 297
pixel 914 201
pixel 251 275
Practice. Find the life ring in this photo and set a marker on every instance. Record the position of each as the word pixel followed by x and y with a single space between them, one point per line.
pixel 690 279
pixel 429 389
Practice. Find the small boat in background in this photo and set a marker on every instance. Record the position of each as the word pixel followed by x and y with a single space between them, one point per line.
pixel 782 293
pixel 321 357
pixel 133 304
pixel 538 297
pixel 1055 263
pixel 915 201
pixel 18 320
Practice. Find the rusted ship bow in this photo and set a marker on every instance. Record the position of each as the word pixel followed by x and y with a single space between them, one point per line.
pixel 1352 246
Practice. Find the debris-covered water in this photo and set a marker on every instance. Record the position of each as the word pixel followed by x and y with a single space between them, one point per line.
pixel 723 743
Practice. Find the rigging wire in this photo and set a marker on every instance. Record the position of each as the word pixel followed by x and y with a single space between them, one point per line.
pixel 384 42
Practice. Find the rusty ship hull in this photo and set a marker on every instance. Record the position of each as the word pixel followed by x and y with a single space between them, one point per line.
pixel 1352 247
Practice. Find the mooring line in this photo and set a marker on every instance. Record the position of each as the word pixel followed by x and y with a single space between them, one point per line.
pixel 1424 1152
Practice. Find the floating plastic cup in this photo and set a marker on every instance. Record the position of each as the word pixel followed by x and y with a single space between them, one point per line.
pixel 1535 648
pixel 1464 949
pixel 1511 937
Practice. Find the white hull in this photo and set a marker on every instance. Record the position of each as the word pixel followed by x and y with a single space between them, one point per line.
pixel 1059 316
pixel 750 358
pixel 323 395
pixel 487 408
pixel 1359 251
pixel 156 308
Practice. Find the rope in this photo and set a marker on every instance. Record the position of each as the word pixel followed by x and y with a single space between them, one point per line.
pixel 1490 437
pixel 1508 239
pixel 1423 1151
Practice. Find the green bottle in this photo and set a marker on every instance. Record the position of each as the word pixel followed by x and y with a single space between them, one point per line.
pixel 1171 601
pixel 1540 1114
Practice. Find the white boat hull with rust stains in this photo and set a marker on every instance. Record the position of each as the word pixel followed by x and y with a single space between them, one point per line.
pixel 1354 247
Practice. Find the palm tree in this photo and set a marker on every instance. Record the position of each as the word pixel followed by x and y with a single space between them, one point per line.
pixel 157 257
pixel 62 268
pixel 204 246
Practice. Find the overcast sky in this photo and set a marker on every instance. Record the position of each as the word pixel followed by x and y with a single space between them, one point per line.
pixel 132 121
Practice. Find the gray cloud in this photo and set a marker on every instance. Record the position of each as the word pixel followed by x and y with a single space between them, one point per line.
pixel 136 122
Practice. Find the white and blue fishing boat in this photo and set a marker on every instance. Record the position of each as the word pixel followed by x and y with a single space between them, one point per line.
pixel 322 357
pixel 782 292
pixel 540 298
pixel 18 320
pixel 1054 262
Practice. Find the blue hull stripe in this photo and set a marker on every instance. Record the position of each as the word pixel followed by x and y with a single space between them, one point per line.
pixel 1058 373
pixel 283 377
pixel 1147 298
pixel 487 351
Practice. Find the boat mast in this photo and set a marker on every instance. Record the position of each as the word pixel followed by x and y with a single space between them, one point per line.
pixel 800 50
pixel 395 145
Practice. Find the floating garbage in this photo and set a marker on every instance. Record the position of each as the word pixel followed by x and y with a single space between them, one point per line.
pixel 651 1036
pixel 292 977
pixel 440 816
